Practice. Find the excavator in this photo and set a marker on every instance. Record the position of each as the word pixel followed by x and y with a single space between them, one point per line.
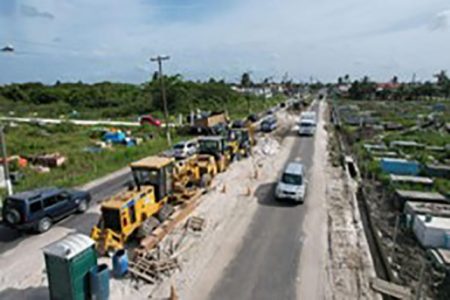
pixel 159 183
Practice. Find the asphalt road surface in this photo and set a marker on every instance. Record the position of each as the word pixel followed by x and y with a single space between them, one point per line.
pixel 10 238
pixel 267 263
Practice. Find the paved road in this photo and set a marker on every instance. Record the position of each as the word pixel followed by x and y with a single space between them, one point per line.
pixel 266 265
pixel 9 238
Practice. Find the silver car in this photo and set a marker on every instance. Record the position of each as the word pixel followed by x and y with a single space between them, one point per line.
pixel 184 149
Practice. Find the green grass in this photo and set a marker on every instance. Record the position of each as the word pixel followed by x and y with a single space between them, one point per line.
pixel 81 167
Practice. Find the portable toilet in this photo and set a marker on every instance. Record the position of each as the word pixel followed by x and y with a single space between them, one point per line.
pixel 68 262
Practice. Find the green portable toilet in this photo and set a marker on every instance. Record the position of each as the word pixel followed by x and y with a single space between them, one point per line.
pixel 68 262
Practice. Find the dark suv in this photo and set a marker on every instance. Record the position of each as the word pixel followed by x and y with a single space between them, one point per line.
pixel 39 209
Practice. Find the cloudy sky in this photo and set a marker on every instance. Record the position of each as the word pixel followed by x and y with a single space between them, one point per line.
pixel 97 40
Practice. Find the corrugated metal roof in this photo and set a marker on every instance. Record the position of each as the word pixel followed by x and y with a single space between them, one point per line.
pixel 70 246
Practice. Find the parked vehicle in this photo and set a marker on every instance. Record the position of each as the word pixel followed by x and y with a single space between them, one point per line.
pixel 149 120
pixel 292 184
pixel 39 209
pixel 269 124
pixel 184 149
pixel 253 118
pixel 238 124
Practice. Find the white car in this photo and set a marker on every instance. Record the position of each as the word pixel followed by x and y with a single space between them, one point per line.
pixel 307 127
pixel 292 185
pixel 184 149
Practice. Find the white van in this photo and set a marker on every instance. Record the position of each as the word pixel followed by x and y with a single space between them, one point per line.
pixel 307 124
pixel 292 184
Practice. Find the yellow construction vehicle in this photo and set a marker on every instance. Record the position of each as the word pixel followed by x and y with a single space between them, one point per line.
pixel 159 182
pixel 242 140
pixel 216 147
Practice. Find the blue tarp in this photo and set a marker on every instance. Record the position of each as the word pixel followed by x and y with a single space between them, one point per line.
pixel 117 137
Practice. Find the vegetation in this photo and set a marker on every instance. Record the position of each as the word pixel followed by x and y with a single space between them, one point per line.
pixel 71 141
pixel 125 101
pixel 365 89
pixel 107 100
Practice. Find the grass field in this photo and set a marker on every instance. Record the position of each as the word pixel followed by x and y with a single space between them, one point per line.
pixel 81 166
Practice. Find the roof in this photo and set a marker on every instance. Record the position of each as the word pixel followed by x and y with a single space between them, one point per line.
pixel 424 208
pixel 41 192
pixel 398 160
pixel 435 222
pixel 294 168
pixel 152 161
pixel 406 144
pixel 118 201
pixel 411 179
pixel 70 246
pixel 438 167
pixel 431 196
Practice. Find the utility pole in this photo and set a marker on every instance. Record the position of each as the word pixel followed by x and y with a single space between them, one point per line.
pixel 159 59
pixel 5 162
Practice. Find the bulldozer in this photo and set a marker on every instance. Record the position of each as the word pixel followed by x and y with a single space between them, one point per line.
pixel 159 182
pixel 216 147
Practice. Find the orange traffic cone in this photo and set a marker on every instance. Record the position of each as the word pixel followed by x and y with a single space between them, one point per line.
pixel 224 189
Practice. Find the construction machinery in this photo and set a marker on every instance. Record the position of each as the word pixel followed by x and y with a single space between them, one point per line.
pixel 216 147
pixel 241 141
pixel 159 182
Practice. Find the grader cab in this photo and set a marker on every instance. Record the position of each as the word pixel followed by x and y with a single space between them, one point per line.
pixel 139 210
pixel 218 148
pixel 242 140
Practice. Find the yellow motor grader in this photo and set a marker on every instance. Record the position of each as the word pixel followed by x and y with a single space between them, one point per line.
pixel 158 183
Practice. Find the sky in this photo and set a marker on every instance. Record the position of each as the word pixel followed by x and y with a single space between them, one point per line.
pixel 113 40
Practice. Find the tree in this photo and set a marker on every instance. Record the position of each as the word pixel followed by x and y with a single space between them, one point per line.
pixel 443 82
pixel 246 80
pixel 394 79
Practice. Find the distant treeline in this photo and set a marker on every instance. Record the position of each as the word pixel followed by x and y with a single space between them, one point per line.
pixel 366 89
pixel 107 99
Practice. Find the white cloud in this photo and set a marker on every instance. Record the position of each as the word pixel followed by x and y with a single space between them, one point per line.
pixel 441 20
pixel 324 38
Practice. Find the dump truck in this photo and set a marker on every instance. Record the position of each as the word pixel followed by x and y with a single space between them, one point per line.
pixel 216 147
pixel 213 123
pixel 159 182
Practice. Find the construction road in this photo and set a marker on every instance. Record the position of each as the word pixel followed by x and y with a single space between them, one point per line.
pixel 267 264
